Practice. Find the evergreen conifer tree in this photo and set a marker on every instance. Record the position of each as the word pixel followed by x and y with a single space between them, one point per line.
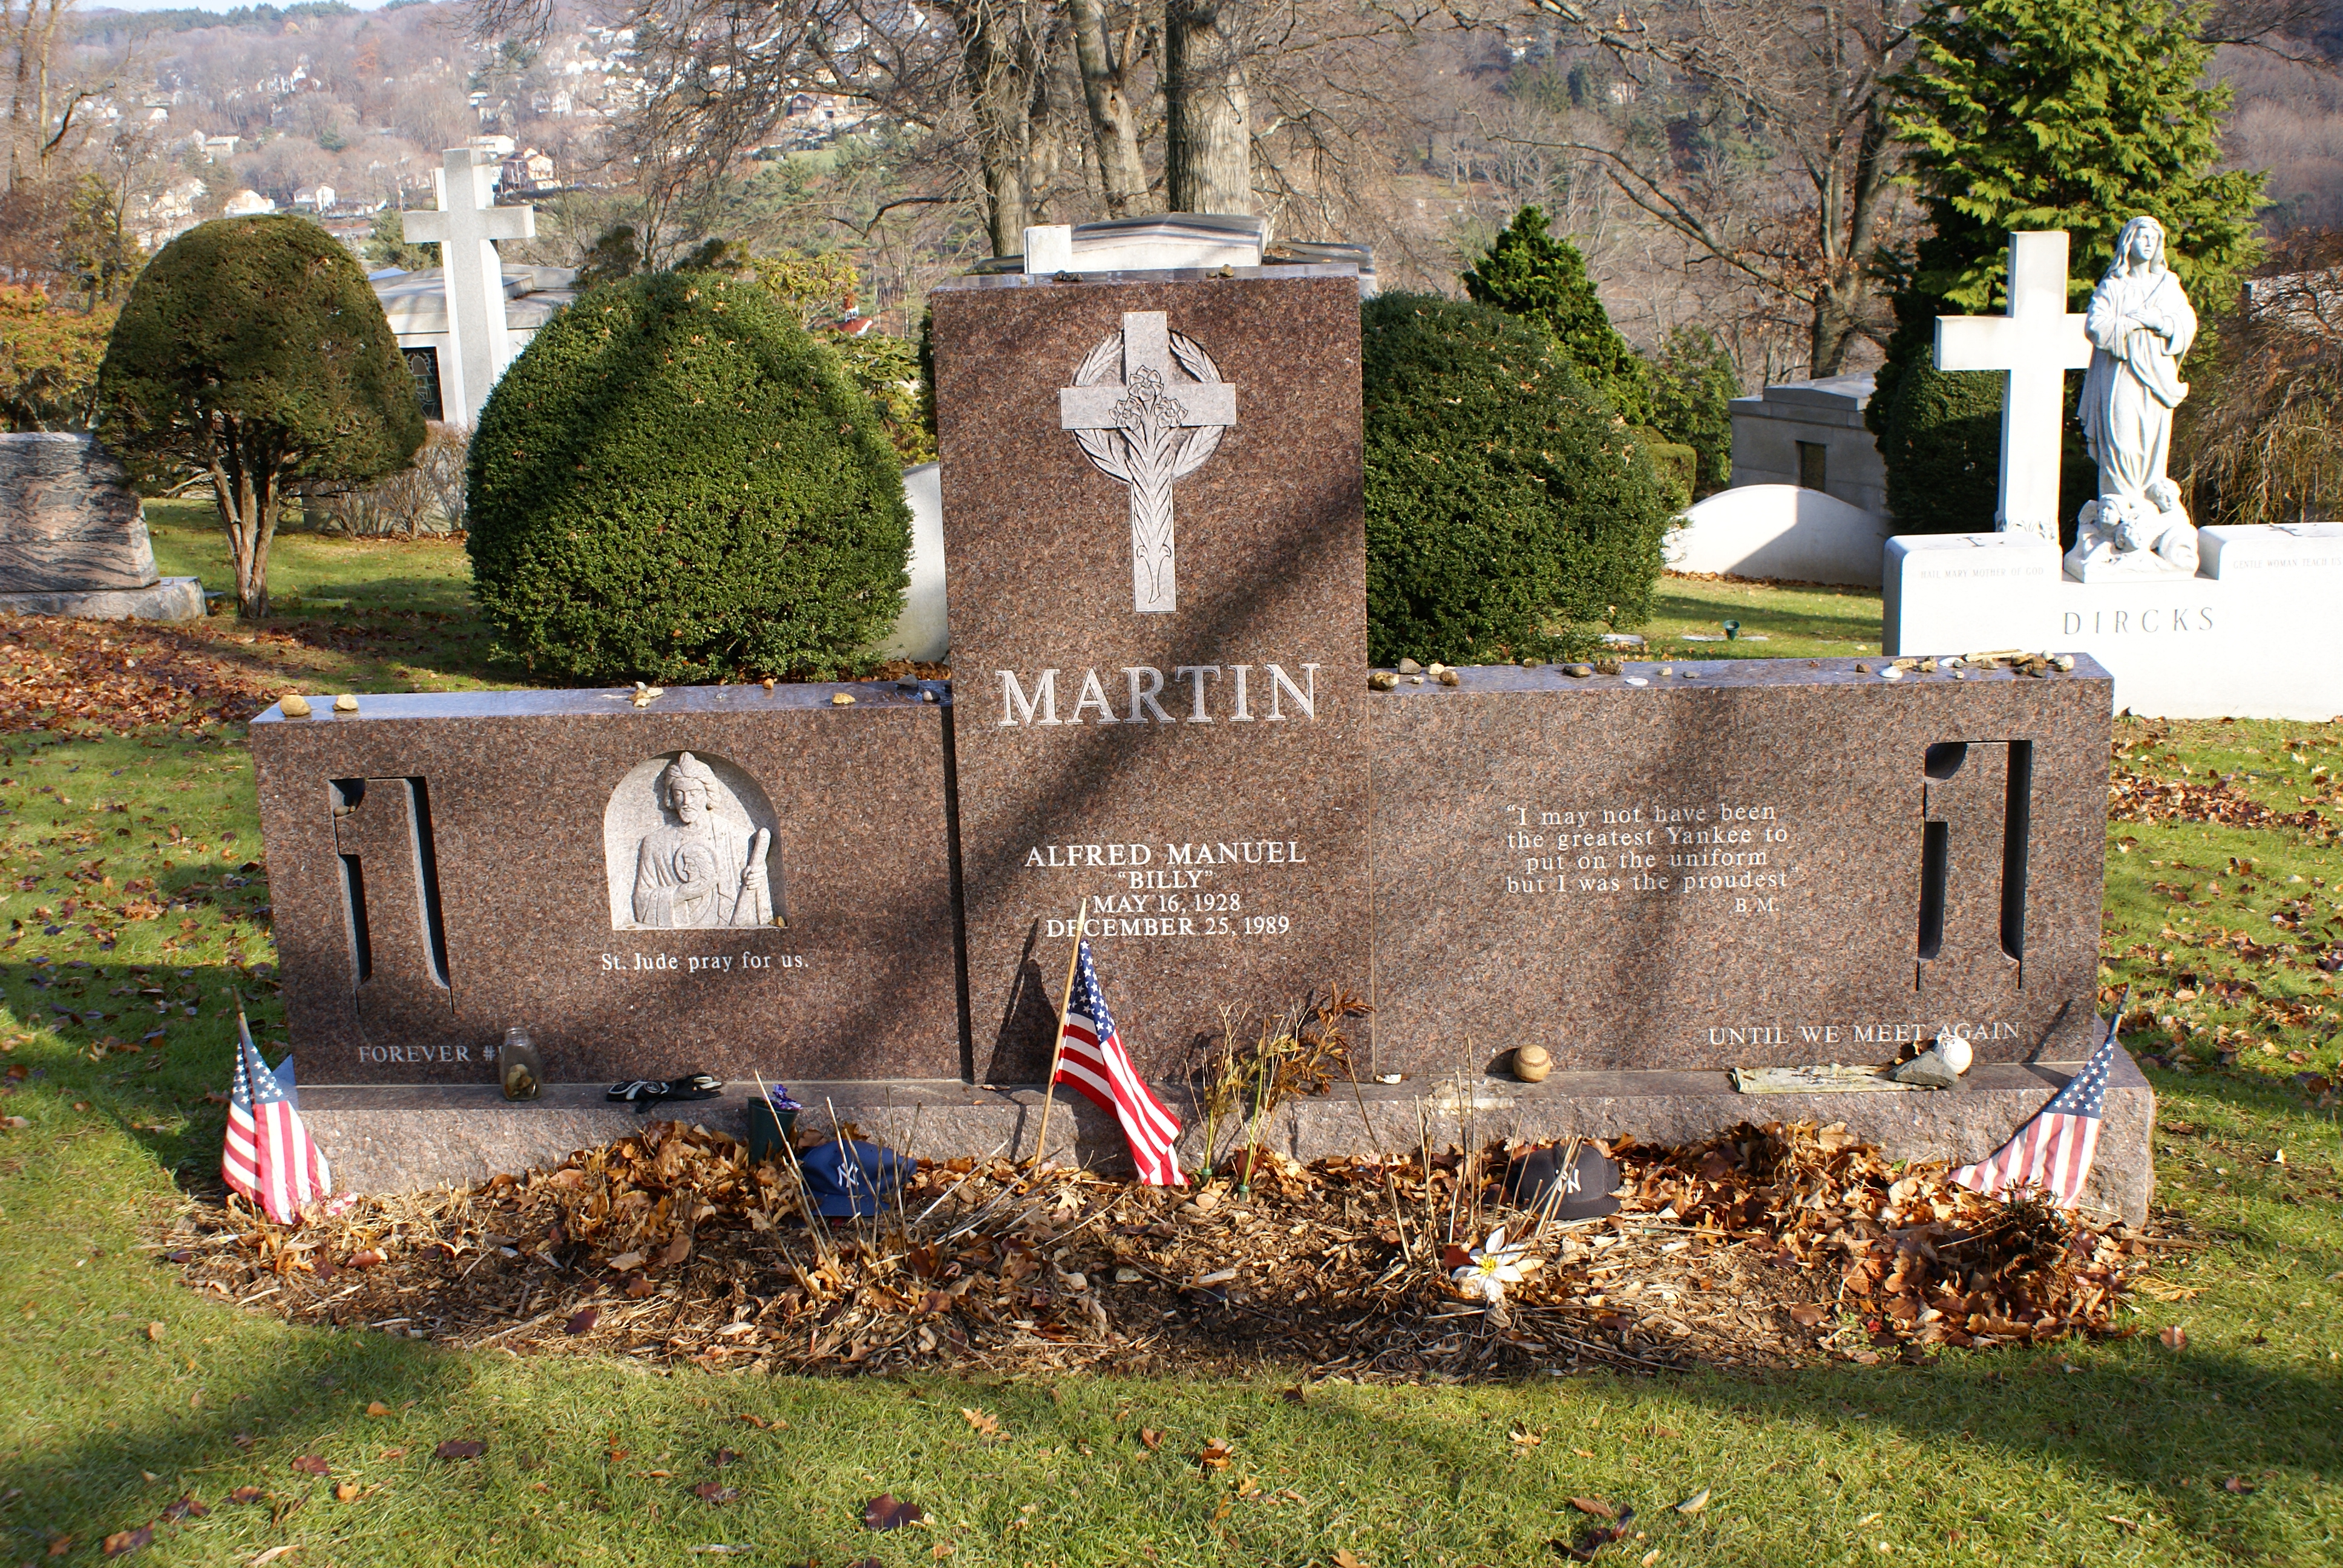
pixel 1531 273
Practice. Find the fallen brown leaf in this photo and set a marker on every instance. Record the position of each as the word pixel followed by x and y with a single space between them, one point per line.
pixel 985 1425
pixel 2237 1484
pixel 245 1494
pixel 459 1448
pixel 1806 1315
pixel 1342 1558
pixel 344 1490
pixel 2174 1337
pixel 377 1409
pixel 582 1320
pixel 1216 1454
pixel 311 1464
pixel 887 1511
pixel 122 1543
pixel 715 1492
pixel 1150 1439
pixel 1595 1506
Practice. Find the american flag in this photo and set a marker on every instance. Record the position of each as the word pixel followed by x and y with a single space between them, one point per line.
pixel 2052 1153
pixel 1092 1061
pixel 269 1156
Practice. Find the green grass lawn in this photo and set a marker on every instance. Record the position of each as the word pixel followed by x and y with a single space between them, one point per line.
pixel 121 1392
pixel 1811 620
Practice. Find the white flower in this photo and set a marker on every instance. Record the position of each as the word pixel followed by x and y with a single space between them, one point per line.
pixel 1492 1267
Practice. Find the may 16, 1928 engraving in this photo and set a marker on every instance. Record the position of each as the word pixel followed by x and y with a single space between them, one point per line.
pixel 689 844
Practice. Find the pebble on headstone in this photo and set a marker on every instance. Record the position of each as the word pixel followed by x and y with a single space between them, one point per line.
pixel 295 706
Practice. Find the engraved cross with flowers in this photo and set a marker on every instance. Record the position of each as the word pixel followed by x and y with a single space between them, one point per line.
pixel 1155 426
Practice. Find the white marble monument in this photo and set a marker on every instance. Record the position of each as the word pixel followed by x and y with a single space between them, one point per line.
pixel 2193 623
pixel 1782 533
pixel 465 229
pixel 2034 345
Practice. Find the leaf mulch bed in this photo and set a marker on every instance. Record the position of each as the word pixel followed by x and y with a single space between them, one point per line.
pixel 122 675
pixel 1771 1246
pixel 2135 797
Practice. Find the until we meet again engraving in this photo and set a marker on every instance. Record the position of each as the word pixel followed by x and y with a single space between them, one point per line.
pixel 1719 846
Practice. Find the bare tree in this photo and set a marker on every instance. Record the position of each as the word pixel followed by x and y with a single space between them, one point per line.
pixel 1107 94
pixel 1801 84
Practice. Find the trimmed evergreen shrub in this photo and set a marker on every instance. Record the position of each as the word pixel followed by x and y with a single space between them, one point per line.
pixel 1693 388
pixel 1677 465
pixel 252 353
pixel 1509 510
pixel 674 482
pixel 1531 273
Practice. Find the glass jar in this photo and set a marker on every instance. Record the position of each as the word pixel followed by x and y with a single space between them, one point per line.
pixel 522 1070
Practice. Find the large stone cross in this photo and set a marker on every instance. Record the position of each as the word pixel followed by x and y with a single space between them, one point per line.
pixel 2034 345
pixel 1155 424
pixel 465 229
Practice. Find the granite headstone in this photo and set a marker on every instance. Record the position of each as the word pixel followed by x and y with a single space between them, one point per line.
pixel 730 879
pixel 1738 863
pixel 72 536
pixel 1152 503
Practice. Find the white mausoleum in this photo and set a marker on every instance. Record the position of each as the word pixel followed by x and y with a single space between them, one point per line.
pixel 1811 434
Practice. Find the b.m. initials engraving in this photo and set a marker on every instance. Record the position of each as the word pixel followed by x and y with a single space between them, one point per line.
pixel 1977 816
pixel 390 905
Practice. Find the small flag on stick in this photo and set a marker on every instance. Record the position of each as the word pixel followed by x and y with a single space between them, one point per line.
pixel 1093 1063
pixel 2051 1153
pixel 269 1156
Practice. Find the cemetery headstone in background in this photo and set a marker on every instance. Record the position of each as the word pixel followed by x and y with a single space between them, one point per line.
pixel 445 866
pixel 1152 507
pixel 72 536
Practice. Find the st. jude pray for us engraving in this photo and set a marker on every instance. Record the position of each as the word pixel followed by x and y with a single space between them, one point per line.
pixel 700 870
pixel 1156 426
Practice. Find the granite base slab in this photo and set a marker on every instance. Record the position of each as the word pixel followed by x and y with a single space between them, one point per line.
pixel 387 1138
pixel 172 599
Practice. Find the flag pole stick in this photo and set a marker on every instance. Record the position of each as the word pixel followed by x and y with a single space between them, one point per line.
pixel 1057 1042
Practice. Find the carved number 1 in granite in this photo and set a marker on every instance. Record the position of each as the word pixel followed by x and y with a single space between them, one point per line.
pixel 1977 815
pixel 391 902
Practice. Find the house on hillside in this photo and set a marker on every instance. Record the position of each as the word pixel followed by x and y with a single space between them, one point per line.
pixel 247 204
pixel 317 199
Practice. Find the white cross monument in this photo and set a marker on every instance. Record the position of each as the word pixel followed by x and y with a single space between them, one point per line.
pixel 2034 346
pixel 1156 425
pixel 465 229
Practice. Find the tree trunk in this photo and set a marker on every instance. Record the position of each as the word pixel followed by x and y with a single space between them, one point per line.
pixel 1114 126
pixel 997 94
pixel 248 509
pixel 1839 303
pixel 1208 113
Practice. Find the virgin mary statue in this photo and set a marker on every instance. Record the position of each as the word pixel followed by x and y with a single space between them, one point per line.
pixel 2140 324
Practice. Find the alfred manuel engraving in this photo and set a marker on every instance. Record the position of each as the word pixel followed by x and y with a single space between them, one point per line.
pixel 689 844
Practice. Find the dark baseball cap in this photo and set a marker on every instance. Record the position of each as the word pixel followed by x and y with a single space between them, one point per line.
pixel 853 1177
pixel 1586 1182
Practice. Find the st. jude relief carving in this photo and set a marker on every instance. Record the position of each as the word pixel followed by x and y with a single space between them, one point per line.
pixel 689 844
pixel 2140 325
pixel 1155 424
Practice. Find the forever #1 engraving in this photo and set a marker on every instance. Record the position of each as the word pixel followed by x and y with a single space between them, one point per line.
pixel 1156 426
